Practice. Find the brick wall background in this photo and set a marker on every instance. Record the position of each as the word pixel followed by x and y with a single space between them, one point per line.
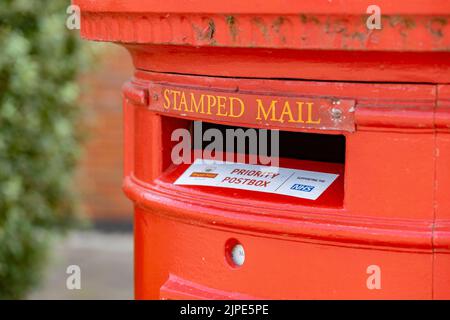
pixel 99 175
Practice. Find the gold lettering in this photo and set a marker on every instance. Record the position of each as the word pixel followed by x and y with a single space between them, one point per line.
pixel 175 102
pixel 221 106
pixel 196 106
pixel 211 102
pixel 310 114
pixel 166 104
pixel 266 114
pixel 300 112
pixel 242 106
pixel 183 101
pixel 286 111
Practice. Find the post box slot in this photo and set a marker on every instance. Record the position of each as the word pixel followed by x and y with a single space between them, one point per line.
pixel 297 145
pixel 321 153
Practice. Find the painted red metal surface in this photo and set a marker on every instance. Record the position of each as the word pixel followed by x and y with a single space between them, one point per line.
pixel 237 102
pixel 390 207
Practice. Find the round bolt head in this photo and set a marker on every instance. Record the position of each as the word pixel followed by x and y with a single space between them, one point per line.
pixel 336 113
pixel 238 255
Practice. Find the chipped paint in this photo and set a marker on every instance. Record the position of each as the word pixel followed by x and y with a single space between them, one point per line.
pixel 261 26
pixel 231 22
pixel 276 26
pixel 295 31
pixel 205 33
pixel 404 24
pixel 436 25
pixel 309 19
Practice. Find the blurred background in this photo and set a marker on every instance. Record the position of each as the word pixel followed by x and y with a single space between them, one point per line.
pixel 61 201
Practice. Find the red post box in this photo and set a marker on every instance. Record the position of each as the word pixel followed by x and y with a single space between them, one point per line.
pixel 367 110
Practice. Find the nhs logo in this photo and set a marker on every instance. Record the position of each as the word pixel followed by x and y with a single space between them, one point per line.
pixel 302 187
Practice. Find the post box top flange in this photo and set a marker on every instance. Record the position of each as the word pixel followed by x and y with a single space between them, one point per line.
pixel 417 25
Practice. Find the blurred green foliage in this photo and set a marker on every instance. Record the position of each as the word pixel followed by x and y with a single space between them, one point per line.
pixel 39 62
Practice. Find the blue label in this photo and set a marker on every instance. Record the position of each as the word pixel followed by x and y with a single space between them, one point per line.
pixel 302 187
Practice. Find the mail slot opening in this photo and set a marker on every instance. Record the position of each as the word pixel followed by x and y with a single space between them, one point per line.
pixel 293 167
pixel 292 145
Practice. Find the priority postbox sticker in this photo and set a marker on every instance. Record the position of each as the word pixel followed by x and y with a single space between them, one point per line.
pixel 291 182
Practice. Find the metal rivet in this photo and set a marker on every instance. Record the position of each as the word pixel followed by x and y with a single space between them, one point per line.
pixel 338 102
pixel 238 255
pixel 336 113
pixel 155 96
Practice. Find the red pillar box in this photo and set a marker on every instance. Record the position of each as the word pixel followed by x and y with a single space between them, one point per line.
pixel 358 203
